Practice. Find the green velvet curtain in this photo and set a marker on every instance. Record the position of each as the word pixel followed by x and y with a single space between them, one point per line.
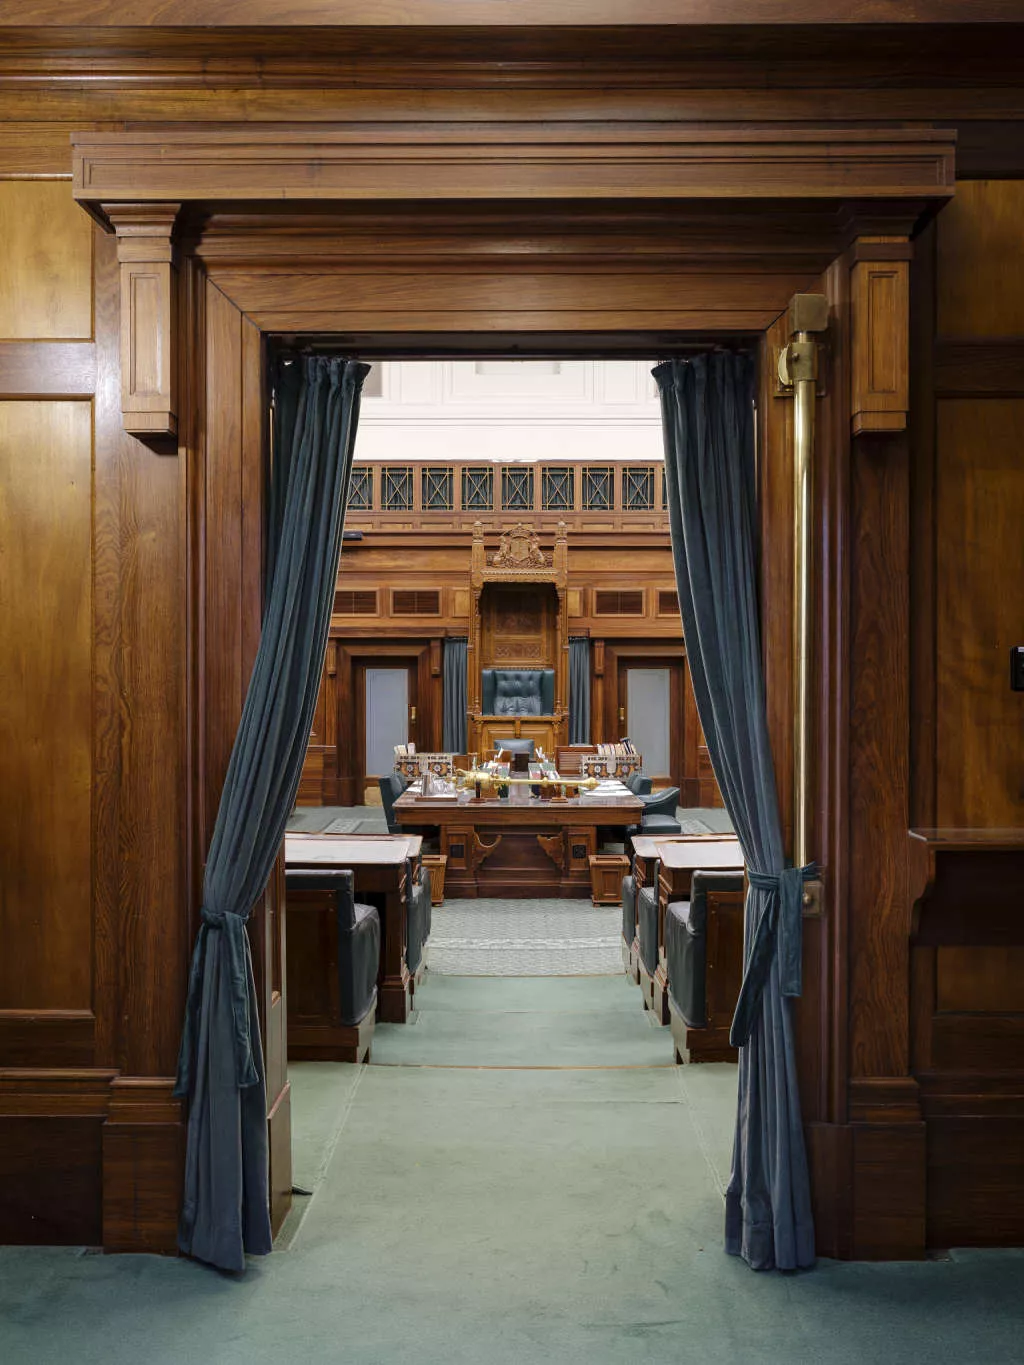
pixel 579 689
pixel 707 414
pixel 225 1212
pixel 456 695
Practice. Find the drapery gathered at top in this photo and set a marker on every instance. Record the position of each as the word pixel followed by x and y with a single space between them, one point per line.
pixel 225 1212
pixel 707 416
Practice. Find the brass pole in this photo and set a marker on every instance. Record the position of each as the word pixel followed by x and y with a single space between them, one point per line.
pixel 798 368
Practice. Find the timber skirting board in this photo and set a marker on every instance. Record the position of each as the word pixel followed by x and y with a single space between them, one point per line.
pixel 90 1158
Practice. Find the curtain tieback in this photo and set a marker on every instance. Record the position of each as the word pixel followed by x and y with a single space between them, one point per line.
pixel 779 929
pixel 235 944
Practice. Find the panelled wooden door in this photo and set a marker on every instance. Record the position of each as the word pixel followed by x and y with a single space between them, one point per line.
pixel 387 714
pixel 652 713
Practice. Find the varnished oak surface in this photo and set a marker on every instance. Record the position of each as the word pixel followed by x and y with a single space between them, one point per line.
pixel 536 13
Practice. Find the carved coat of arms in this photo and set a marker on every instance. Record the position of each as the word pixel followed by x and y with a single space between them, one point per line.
pixel 519 549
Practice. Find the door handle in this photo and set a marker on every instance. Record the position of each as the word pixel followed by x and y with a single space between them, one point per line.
pixel 622 715
pixel 412 715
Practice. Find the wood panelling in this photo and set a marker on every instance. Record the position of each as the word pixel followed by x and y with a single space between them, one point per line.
pixel 980 980
pixel 981 262
pixel 175 586
pixel 50 1190
pixel 46 280
pixel 142 802
pixel 45 696
pixel 980 611
pixel 54 369
pixel 538 161
pixel 879 758
pixel 149 317
pixel 143 1166
pixel 976 1180
pixel 879 295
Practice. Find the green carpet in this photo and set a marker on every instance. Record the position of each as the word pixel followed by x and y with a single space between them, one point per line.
pixel 492 1212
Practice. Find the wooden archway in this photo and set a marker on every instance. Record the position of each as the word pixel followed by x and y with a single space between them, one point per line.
pixel 477 234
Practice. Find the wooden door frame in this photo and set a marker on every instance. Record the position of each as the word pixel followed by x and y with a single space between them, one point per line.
pixel 554 237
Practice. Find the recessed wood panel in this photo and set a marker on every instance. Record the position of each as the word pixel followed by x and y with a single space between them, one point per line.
pixel 980 573
pixel 981 260
pixel 46 263
pixel 979 980
pixel 45 699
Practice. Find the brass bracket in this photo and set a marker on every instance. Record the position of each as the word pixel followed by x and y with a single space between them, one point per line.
pixel 790 367
pixel 811 900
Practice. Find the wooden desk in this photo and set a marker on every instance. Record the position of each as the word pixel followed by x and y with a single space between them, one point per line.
pixel 514 848
pixel 378 862
pixel 679 855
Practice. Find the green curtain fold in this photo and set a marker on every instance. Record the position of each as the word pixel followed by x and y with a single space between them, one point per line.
pixel 225 1212
pixel 579 689
pixel 707 416
pixel 456 695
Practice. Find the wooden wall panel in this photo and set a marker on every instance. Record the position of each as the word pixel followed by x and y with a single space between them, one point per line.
pixel 979 980
pixel 980 611
pixel 45 279
pixel 981 261
pixel 45 704
pixel 879 758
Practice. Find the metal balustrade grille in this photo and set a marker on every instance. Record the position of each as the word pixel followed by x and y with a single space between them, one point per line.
pixel 517 488
pixel 360 490
pixel 478 488
pixel 557 488
pixel 638 488
pixel 396 488
pixel 597 489
pixel 437 489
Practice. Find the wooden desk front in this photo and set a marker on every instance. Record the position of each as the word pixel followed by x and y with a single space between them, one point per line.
pixel 519 848
pixel 378 863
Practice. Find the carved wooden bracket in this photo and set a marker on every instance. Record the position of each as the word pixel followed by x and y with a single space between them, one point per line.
pixel 554 846
pixel 149 321
pixel 880 316
pixel 482 851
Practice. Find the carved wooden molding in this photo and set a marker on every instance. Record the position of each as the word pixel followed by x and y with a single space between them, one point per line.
pixel 515 160
pixel 149 308
pixel 880 318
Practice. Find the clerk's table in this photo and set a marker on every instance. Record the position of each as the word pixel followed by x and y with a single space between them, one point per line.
pixel 521 845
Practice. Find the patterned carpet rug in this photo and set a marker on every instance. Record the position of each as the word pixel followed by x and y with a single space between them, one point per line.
pixel 525 938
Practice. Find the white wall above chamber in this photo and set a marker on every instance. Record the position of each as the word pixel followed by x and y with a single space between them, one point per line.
pixel 503 410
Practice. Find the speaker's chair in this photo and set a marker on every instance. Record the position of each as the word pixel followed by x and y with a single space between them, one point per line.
pixel 517 691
